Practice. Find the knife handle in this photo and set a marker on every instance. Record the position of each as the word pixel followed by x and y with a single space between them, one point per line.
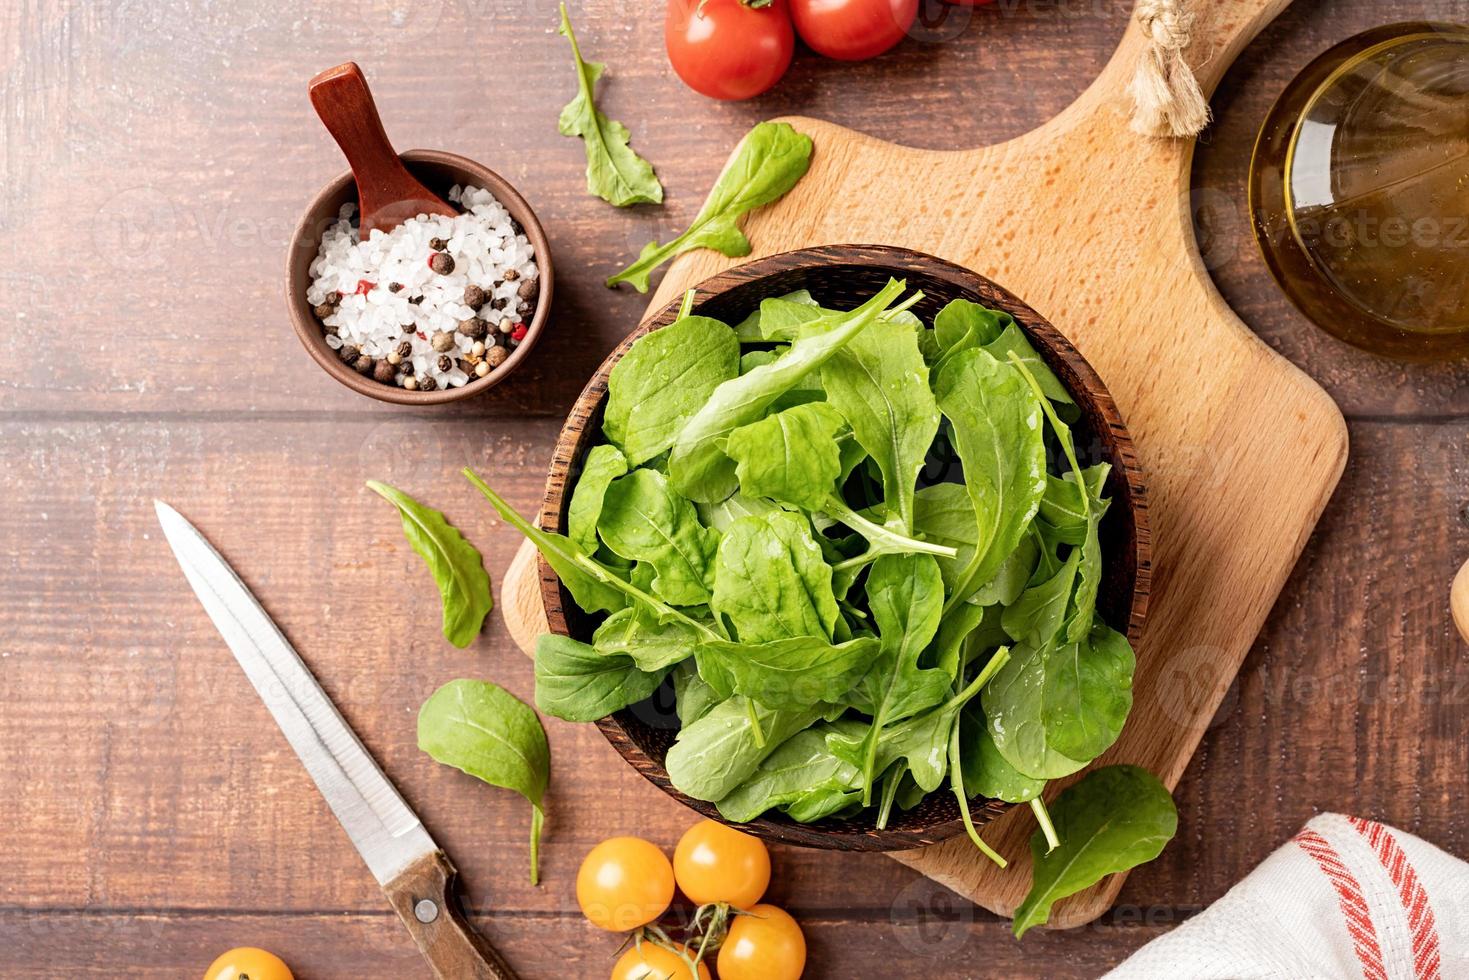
pixel 424 898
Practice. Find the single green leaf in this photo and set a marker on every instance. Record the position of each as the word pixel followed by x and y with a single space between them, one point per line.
pixel 575 682
pixel 482 729
pixel 996 421
pixel 1115 819
pixel 769 161
pixel 602 465
pixel 718 750
pixel 1088 693
pixel 1013 338
pixel 719 516
pixel 693 696
pixel 664 378
pixel 455 564
pixel 750 331
pixel 1063 507
pixel 906 594
pixel 964 325
pixel 614 172
pixel 944 514
pixel 986 773
pixel 592 591
pixel 1037 616
pixel 879 383
pixel 771 581
pixel 787 673
pixel 644 520
pixel 637 634
pixel 792 456
pixel 802 771
pixel 699 467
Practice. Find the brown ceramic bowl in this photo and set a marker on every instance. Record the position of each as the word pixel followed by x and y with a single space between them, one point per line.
pixel 438 171
pixel 847 275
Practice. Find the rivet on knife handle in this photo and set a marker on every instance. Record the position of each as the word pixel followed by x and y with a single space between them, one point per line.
pixel 423 896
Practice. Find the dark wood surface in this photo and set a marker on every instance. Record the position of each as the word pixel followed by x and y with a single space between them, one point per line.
pixel 155 158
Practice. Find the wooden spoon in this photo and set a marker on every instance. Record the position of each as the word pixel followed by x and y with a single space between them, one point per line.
pixel 1459 601
pixel 386 192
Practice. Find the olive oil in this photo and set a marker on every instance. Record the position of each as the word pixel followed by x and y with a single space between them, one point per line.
pixel 1359 191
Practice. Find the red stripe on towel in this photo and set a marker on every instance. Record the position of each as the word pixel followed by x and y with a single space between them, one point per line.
pixel 1427 958
pixel 1350 900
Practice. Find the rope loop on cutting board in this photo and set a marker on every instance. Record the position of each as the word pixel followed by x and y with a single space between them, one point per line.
pixel 1167 100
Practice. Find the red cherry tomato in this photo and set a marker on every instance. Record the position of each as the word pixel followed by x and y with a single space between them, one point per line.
pixel 852 30
pixel 726 50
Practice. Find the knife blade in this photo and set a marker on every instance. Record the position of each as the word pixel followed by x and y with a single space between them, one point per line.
pixel 417 877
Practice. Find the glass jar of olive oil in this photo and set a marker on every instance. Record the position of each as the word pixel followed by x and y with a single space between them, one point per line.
pixel 1359 191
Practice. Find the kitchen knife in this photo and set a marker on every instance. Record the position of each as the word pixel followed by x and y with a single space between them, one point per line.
pixel 415 875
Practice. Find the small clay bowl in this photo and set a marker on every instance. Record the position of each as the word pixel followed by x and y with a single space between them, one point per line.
pixel 439 171
pixel 845 276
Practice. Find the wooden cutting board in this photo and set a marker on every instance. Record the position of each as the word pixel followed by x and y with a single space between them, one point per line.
pixel 1090 224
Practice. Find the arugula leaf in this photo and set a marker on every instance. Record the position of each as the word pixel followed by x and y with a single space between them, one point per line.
pixel 614 172
pixel 749 329
pixel 644 520
pixel 986 773
pixel 593 592
pixel 789 673
pixel 769 161
pixel 693 696
pixel 963 325
pixel 996 421
pixel 1053 709
pixel 699 468
pixel 1115 819
pixel 458 570
pixel 482 729
pixel 879 383
pixel 906 594
pixel 575 682
pixel 802 774
pixel 719 516
pixel 792 456
pixel 603 465
pixel 1013 338
pixel 718 750
pixel 772 582
pixel 1038 615
pixel 637 634
pixel 662 380
pixel 1063 507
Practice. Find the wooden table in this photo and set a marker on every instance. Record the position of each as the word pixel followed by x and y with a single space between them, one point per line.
pixel 155 157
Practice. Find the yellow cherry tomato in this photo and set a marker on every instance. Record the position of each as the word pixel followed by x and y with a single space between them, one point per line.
pixel 716 863
pixel 624 882
pixel 248 963
pixel 766 944
pixel 655 963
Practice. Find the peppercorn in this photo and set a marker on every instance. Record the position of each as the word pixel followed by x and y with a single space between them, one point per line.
pixel 467 364
pixel 404 350
pixel 473 328
pixel 443 341
pixel 427 384
pixel 409 328
pixel 411 383
pixel 495 356
pixel 348 353
pixel 393 358
pixel 364 364
pixel 334 297
pixel 474 296
pixel 519 333
pixel 529 289
pixel 406 367
pixel 329 331
pixel 445 363
pixel 395 287
pixel 482 368
pixel 323 310
pixel 384 372
pixel 477 348
pixel 441 262
pixel 414 301
pixel 498 303
pixel 506 325
pixel 511 275
pixel 437 244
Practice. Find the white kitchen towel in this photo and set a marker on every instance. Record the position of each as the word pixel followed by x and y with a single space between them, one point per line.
pixel 1345 898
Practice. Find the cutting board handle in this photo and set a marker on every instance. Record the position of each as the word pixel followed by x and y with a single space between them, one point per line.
pixel 1221 29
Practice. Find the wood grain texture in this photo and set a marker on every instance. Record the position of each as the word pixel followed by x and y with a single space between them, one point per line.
pixel 153 159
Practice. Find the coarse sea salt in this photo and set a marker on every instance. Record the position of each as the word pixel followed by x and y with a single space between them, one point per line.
pixel 375 318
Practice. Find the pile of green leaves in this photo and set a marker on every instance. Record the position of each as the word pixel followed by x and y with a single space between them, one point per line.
pixel 842 637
